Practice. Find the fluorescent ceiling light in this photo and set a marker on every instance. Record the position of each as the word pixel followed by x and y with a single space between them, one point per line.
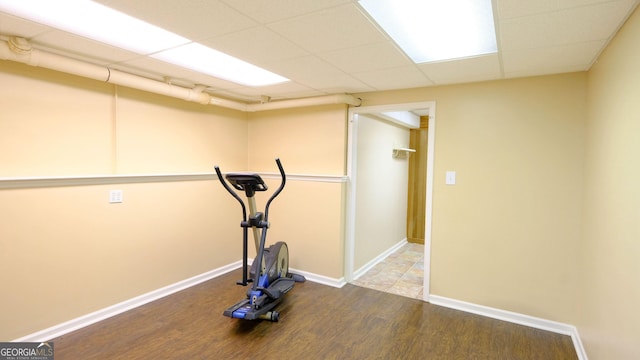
pixel 98 22
pixel 95 21
pixel 436 30
pixel 209 61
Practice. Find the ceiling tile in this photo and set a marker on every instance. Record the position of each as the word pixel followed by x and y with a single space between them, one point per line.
pixel 253 96
pixel 331 29
pixel 367 57
pixel 81 48
pixel 347 87
pixel 394 78
pixel 15 26
pixel 571 56
pixel 232 95
pixel 194 20
pixel 544 71
pixel 477 68
pixel 267 11
pixel 213 82
pixel 275 92
pixel 596 22
pixel 324 77
pixel 257 45
pixel 517 8
pixel 332 46
pixel 153 68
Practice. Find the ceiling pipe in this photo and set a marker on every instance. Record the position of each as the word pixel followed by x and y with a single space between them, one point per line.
pixel 20 50
pixel 310 101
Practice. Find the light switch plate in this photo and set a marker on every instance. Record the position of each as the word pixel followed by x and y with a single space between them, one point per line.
pixel 115 196
pixel 450 178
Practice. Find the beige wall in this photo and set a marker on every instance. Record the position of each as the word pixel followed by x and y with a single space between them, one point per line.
pixel 64 250
pixel 609 320
pixel 542 220
pixel 309 140
pixel 60 125
pixel 515 256
pixel 309 214
pixel 47 118
pixel 91 254
pixel 382 186
pixel 164 135
pixel 506 235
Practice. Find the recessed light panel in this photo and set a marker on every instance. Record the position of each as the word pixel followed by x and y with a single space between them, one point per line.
pixel 436 30
pixel 212 62
pixel 101 23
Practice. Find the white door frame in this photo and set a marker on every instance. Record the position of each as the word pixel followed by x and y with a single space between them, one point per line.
pixel 426 106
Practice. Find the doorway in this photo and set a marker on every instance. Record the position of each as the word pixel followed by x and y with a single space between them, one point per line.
pixel 421 109
pixel 417 196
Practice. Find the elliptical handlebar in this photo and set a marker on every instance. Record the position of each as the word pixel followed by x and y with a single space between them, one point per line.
pixel 237 197
pixel 233 193
pixel 277 192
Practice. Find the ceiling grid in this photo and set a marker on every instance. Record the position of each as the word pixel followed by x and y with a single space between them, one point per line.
pixel 332 46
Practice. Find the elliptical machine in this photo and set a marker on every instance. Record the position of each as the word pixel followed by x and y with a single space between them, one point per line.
pixel 269 271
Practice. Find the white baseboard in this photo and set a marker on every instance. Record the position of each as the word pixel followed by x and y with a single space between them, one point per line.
pixel 94 317
pixel 577 343
pixel 358 273
pixel 516 318
pixel 320 279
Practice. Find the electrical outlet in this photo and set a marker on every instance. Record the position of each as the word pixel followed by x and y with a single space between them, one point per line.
pixel 115 196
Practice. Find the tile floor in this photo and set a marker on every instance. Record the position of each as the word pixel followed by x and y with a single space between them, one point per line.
pixel 400 273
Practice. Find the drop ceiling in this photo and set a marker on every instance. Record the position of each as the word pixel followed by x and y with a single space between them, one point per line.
pixel 331 46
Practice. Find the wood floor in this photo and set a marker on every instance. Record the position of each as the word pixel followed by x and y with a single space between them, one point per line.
pixel 316 322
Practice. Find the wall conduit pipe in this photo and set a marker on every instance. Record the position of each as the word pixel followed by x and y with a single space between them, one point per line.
pixel 310 101
pixel 20 50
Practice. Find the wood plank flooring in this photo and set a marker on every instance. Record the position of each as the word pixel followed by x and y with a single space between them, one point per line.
pixel 316 322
